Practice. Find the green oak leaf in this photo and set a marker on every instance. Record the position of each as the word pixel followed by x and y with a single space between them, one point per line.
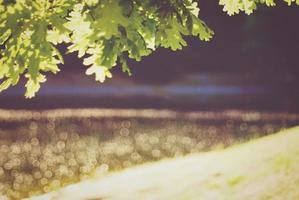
pixel 100 72
pixel 32 86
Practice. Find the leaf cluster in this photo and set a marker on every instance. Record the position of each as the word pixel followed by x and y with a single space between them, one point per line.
pixel 104 32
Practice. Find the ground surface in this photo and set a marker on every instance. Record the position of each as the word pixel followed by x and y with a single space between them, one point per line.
pixel 262 169
pixel 42 151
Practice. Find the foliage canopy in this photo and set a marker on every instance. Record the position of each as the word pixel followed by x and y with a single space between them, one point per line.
pixel 103 32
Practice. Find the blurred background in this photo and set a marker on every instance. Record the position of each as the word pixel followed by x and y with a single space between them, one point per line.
pixel 251 63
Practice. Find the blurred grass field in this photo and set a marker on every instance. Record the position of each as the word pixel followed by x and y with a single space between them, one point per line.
pixel 43 151
pixel 262 169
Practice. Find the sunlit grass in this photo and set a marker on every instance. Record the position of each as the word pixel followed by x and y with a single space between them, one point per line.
pixel 262 169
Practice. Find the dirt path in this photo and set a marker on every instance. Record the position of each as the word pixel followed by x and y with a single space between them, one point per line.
pixel 266 168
